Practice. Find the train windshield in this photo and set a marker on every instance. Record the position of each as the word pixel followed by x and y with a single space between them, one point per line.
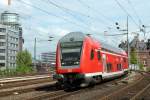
pixel 70 54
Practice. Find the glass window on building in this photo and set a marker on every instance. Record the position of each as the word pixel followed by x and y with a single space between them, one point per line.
pixel 2 29
pixel 11 44
pixel 16 39
pixel 2 43
pixel 13 58
pixel 2 57
pixel 2 36
pixel 2 50
pixel 2 64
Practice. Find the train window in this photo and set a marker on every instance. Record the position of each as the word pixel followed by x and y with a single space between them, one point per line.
pixel 119 67
pixel 92 54
pixel 98 55
pixel 109 67
pixel 70 54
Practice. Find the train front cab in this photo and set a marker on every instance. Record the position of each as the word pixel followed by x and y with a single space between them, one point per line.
pixel 68 62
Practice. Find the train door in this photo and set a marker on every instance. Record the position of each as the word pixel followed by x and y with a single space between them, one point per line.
pixel 104 63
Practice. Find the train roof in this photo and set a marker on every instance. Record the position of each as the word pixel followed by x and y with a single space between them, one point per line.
pixel 112 48
pixel 79 36
pixel 73 36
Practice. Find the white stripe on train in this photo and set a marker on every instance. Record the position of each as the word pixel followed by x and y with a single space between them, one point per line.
pixel 105 74
pixel 113 54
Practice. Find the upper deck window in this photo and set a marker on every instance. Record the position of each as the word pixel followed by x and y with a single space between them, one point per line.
pixel 92 54
pixel 98 55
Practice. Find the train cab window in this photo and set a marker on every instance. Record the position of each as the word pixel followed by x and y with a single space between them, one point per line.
pixel 109 67
pixel 119 67
pixel 92 54
pixel 98 55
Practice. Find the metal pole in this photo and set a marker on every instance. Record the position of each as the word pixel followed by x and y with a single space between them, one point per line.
pixel 9 2
pixel 35 53
pixel 137 54
pixel 128 48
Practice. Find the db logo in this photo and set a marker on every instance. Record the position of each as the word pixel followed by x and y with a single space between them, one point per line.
pixel 69 70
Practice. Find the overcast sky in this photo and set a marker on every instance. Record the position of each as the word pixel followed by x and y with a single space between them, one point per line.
pixel 44 18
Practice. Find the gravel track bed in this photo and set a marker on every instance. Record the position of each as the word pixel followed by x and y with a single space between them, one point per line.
pixel 131 91
pixel 23 83
pixel 24 89
pixel 145 95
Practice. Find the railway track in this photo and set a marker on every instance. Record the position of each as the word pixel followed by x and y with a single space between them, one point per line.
pixel 133 91
pixel 48 91
pixel 15 79
pixel 22 81
pixel 10 86
pixel 62 94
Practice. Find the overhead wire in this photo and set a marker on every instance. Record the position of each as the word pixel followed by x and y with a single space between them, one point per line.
pixel 51 14
pixel 38 8
pixel 97 11
pixel 72 12
pixel 137 15
pixel 66 10
pixel 118 3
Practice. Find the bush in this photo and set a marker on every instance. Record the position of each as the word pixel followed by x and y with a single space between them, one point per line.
pixel 7 72
pixel 141 66
pixel 24 69
pixel 14 72
pixel 148 69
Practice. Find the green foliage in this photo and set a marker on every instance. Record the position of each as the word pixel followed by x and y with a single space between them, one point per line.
pixel 133 56
pixel 23 59
pixel 148 69
pixel 141 66
pixel 24 69
pixel 5 73
pixel 24 62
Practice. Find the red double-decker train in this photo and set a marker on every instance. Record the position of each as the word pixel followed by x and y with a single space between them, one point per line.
pixel 82 60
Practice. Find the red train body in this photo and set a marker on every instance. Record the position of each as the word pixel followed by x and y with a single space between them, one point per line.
pixel 82 60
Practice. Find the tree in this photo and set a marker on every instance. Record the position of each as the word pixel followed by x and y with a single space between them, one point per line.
pixel 24 60
pixel 133 56
pixel 141 66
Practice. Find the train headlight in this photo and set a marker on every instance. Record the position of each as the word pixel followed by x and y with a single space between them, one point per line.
pixel 76 62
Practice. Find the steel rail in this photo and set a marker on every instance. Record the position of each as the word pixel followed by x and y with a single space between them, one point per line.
pixel 46 95
pixel 122 89
pixel 14 79
pixel 140 92
pixel 23 89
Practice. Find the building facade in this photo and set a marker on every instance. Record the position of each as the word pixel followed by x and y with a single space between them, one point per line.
pixel 10 40
pixel 142 51
pixel 48 57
